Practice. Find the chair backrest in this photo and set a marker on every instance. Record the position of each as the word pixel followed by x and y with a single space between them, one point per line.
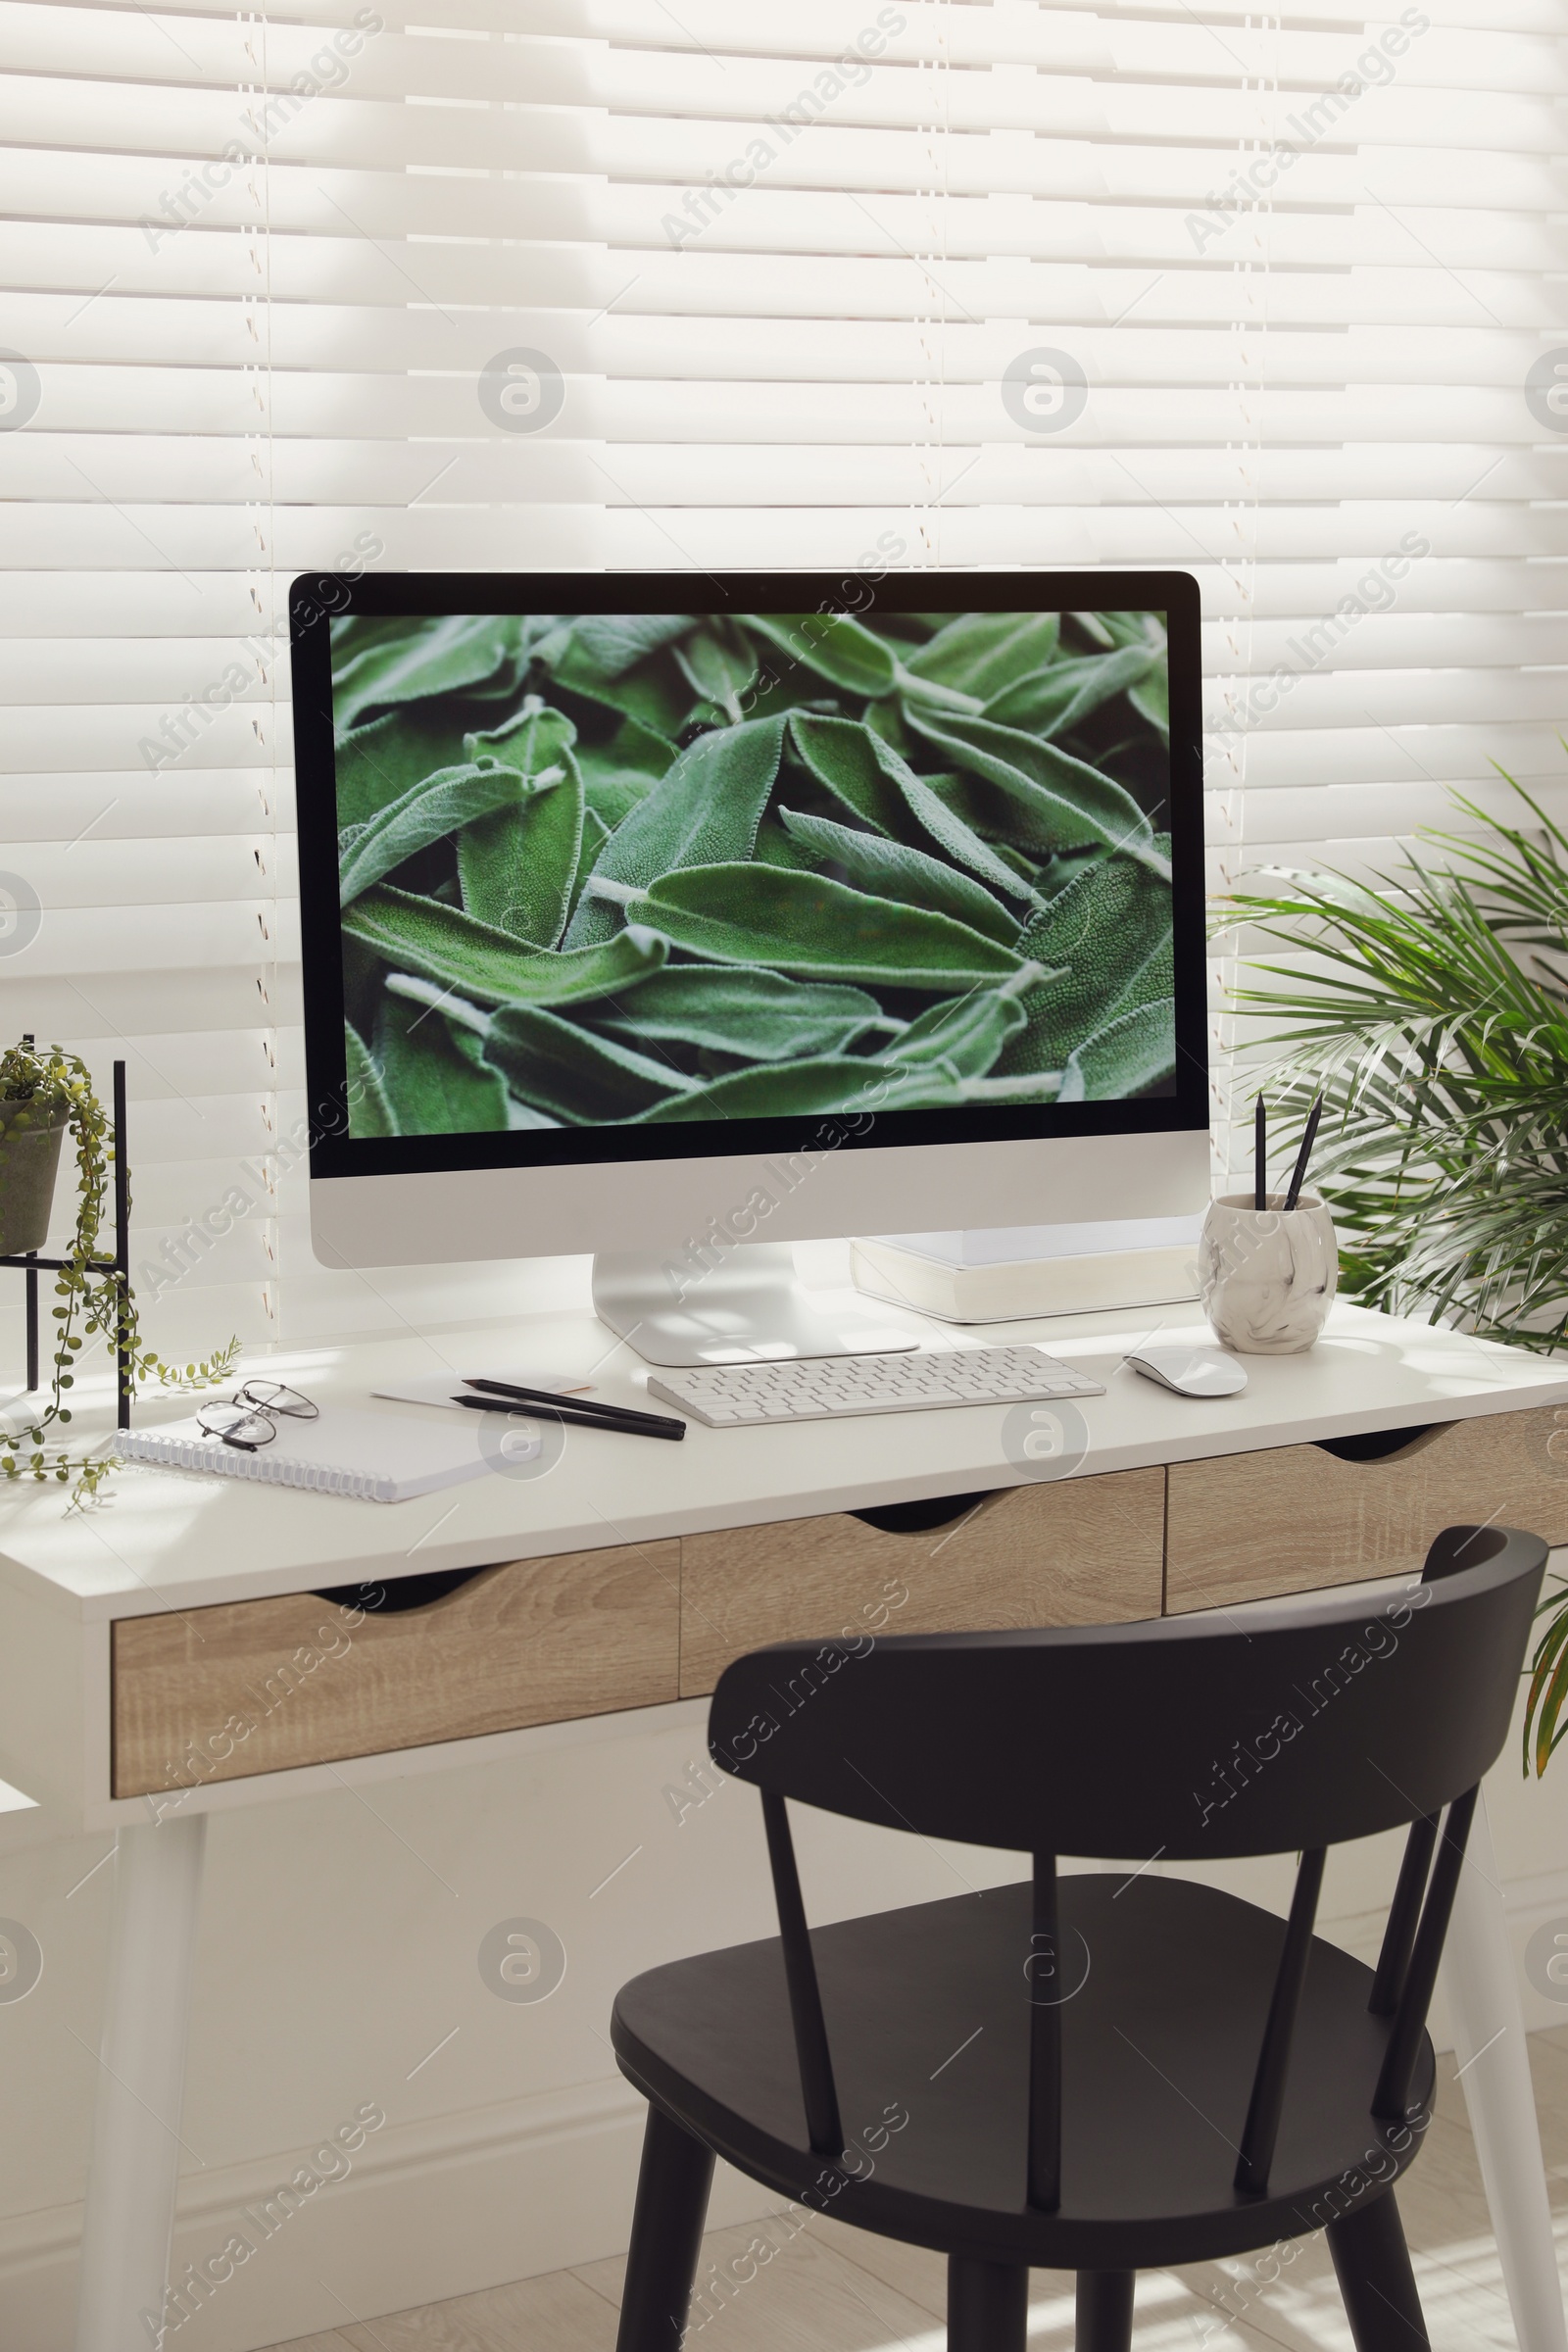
pixel 1205 1737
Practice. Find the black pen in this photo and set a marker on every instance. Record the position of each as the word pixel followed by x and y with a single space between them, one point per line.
pixel 633 1416
pixel 583 1416
pixel 1304 1154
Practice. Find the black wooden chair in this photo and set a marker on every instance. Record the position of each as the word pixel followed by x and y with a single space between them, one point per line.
pixel 1101 2072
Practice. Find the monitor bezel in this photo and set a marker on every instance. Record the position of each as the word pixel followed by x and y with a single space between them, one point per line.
pixel 318 598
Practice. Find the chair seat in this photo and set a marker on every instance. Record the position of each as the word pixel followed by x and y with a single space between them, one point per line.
pixel 1166 1989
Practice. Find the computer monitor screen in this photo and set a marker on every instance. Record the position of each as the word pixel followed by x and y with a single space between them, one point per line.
pixel 610 868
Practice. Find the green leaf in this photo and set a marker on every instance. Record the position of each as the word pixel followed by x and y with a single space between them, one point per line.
pixel 1152 700
pixel 595 834
pixel 860 768
pixel 444 803
pixel 703 810
pixel 889 870
pixel 825 1081
pixel 1053 702
pixel 968 1033
pixel 775 847
pixel 718 663
pixel 615 642
pixel 432 1083
pixel 420 935
pixel 832 645
pixel 652 691
pixel 455 654
pixel 631 751
pixel 821 930
pixel 572 1073
pixel 1136 1051
pixel 1111 924
pixel 370 1111
pixel 1052 801
pixel 981 653
pixel 378 764
pixel 847 757
pixel 757 1014
pixel 518 867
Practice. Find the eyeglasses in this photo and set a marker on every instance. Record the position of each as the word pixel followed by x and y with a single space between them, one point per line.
pixel 248 1418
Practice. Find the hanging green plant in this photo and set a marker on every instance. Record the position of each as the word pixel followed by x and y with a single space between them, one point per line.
pixel 46 1093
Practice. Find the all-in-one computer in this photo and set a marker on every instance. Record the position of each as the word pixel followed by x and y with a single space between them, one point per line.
pixel 677 917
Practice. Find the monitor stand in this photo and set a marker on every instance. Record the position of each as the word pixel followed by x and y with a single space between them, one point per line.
pixel 748 1308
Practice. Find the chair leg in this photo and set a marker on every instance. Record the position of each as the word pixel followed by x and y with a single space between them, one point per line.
pixel 1105 2311
pixel 988 2306
pixel 666 2236
pixel 1373 2266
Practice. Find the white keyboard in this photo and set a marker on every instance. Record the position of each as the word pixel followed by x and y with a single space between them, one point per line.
pixel 819 1388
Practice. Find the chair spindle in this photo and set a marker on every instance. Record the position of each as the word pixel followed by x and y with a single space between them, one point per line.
pixel 1043 1976
pixel 1393 2094
pixel 1404 1913
pixel 800 1973
pixel 1273 2059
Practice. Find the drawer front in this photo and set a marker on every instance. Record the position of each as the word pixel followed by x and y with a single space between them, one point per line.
pixel 260 1686
pixel 1080 1551
pixel 1251 1525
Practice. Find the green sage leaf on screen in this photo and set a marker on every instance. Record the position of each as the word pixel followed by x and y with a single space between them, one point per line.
pixel 982 653
pixel 1152 700
pixel 832 645
pixel 1053 702
pixel 1132 1052
pixel 750 1013
pixel 650 690
pixel 443 804
pixel 442 944
pixel 703 810
pixel 518 867
pixel 595 834
pixel 969 1032
pixel 817 929
pixel 434 1085
pixel 379 762
pixel 536 737
pixel 455 654
pixel 1111 923
pixel 820 1083
pixel 570 1072
pixel 847 759
pixel 719 665
pixel 889 870
pixel 1052 801
pixel 616 642
pixel 370 1111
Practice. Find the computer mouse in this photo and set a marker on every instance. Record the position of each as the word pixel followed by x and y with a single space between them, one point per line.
pixel 1190 1371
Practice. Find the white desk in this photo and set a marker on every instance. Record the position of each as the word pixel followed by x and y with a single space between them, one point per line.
pixel 173 1543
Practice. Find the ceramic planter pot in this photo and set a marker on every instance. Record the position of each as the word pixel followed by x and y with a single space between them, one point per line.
pixel 1267 1276
pixel 30 1136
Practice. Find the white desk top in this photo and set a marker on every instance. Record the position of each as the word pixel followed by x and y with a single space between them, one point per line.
pixel 172 1539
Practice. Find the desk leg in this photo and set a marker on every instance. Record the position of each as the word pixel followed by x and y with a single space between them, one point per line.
pixel 136 2147
pixel 1489 2027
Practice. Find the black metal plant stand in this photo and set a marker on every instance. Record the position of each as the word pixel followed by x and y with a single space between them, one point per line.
pixel 32 1265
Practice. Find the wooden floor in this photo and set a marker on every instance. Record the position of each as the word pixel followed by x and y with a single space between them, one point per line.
pixel 833 2289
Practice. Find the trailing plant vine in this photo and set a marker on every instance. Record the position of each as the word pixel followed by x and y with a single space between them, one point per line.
pixel 93 1302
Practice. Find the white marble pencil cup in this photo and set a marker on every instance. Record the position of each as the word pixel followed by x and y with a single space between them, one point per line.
pixel 1267 1276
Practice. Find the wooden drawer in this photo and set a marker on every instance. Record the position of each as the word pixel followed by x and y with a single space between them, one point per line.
pixel 258 1686
pixel 1249 1525
pixel 1079 1551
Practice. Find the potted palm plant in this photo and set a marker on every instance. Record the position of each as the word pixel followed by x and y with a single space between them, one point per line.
pixel 1429 1008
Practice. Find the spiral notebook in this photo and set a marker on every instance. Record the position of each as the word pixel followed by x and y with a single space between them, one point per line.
pixel 379 1457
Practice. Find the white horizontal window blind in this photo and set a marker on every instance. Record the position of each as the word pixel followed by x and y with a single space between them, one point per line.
pixel 857 283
